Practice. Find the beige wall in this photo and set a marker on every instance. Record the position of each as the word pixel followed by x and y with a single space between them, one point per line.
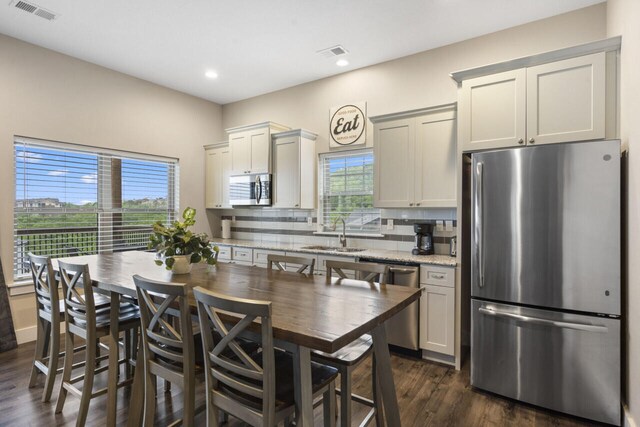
pixel 415 81
pixel 52 96
pixel 623 17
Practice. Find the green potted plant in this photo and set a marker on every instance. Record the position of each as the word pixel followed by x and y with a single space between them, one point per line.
pixel 178 247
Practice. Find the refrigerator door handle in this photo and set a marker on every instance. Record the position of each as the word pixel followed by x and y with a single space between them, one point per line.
pixel 528 319
pixel 478 224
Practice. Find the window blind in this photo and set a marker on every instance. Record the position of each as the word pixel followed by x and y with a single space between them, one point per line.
pixel 346 191
pixel 76 200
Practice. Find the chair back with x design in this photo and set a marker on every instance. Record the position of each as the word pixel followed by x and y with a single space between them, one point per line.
pixel 302 263
pixel 79 301
pixel 45 287
pixel 236 383
pixel 367 271
pixel 167 330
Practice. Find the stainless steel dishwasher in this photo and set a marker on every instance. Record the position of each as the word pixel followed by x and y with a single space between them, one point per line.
pixel 403 328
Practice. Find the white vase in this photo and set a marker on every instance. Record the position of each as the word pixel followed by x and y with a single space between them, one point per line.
pixel 182 264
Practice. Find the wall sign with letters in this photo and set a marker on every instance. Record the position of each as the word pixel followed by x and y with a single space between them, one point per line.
pixel 347 125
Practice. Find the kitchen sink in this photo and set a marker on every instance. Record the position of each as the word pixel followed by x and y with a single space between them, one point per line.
pixel 333 248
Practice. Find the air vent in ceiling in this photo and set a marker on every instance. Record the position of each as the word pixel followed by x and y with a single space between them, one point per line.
pixel 34 9
pixel 333 51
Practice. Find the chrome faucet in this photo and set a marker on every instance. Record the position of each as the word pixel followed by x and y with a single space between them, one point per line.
pixel 343 237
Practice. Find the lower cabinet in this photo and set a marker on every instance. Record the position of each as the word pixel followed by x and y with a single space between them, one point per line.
pixel 235 255
pixel 437 309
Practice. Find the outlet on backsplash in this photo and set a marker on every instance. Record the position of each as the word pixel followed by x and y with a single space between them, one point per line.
pixel 309 221
pixel 389 224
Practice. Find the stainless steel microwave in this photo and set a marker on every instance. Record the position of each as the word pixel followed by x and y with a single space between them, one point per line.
pixel 250 190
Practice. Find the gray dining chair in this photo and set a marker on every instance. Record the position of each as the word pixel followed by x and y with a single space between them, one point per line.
pixel 350 356
pixel 304 263
pixel 49 316
pixel 167 342
pixel 257 388
pixel 84 320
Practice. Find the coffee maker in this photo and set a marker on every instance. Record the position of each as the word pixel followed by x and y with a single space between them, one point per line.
pixel 424 239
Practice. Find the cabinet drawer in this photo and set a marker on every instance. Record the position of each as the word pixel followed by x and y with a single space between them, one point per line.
pixel 224 253
pixel 260 256
pixel 439 276
pixel 242 255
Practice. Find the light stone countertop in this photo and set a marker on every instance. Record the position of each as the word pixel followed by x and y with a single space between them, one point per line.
pixel 378 254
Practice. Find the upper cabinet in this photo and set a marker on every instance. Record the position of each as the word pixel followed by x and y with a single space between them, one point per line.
pixel 415 158
pixel 217 172
pixel 294 165
pixel 251 147
pixel 561 96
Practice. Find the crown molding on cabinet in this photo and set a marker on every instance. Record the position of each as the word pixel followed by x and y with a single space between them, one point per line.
pixel 414 113
pixel 296 132
pixel 605 45
pixel 274 127
pixel 216 145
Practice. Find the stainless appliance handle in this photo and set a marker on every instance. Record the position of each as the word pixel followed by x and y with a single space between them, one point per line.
pixel 401 270
pixel 478 223
pixel 259 188
pixel 536 320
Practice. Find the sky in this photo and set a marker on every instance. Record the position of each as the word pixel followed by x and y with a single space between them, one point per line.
pixel 72 177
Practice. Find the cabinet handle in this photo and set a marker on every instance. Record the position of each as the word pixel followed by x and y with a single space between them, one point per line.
pixel 531 140
pixel 437 276
pixel 417 204
pixel 521 141
pixel 410 204
pixel 297 206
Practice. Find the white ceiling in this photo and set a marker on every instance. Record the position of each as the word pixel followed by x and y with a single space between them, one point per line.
pixel 259 46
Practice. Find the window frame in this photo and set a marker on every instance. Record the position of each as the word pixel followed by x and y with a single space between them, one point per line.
pixel 328 228
pixel 102 230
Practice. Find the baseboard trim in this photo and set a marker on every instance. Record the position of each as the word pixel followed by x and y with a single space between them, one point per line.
pixel 25 335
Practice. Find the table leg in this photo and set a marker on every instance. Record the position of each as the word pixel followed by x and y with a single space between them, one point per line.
pixel 112 382
pixel 385 376
pixel 136 402
pixel 303 389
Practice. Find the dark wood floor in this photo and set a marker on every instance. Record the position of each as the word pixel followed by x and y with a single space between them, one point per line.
pixel 429 394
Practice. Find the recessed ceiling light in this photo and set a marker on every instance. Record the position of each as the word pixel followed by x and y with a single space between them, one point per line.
pixel 342 62
pixel 211 74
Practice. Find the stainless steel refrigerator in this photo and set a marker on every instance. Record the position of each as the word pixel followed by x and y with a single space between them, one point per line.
pixel 545 276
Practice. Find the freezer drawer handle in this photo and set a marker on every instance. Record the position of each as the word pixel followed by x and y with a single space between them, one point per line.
pixel 478 222
pixel 567 325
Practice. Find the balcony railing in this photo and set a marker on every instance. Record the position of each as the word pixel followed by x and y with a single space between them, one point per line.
pixel 75 241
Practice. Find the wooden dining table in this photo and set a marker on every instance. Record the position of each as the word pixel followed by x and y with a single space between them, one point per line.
pixel 310 312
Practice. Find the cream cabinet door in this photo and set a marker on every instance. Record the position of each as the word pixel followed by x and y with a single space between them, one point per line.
pixel 437 319
pixel 240 146
pixel 225 173
pixel 566 100
pixel 492 111
pixel 213 178
pixel 259 141
pixel 394 164
pixel 286 177
pixel 435 160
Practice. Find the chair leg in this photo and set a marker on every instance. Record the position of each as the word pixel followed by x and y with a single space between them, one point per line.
pixel 52 368
pixel 377 398
pixel 39 351
pixel 329 406
pixel 213 413
pixel 87 388
pixel 150 390
pixel 66 372
pixel 345 398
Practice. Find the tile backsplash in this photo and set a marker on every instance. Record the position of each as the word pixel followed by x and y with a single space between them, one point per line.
pixel 290 226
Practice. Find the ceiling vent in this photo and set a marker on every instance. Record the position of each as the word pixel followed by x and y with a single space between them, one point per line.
pixel 333 51
pixel 34 9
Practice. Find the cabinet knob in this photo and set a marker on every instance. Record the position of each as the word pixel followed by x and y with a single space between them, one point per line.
pixel 531 140
pixel 297 206
pixel 417 204
pixel 410 204
pixel 521 141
